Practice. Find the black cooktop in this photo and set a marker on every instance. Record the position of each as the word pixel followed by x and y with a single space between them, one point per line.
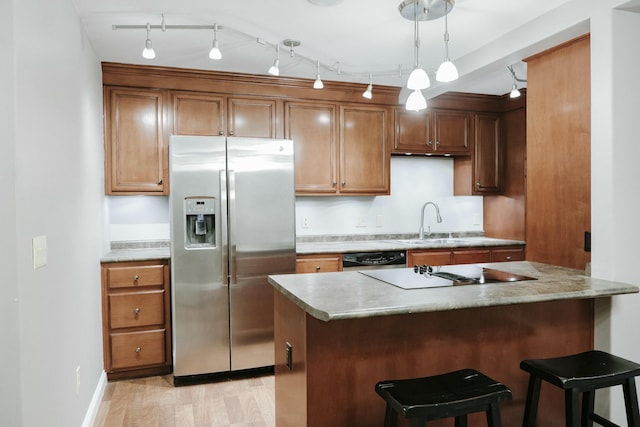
pixel 430 277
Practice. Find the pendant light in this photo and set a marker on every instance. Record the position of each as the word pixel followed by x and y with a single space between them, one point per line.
pixel 416 101
pixel 275 68
pixel 418 79
pixel 367 93
pixel 515 92
pixel 215 53
pixel 148 51
pixel 318 83
pixel 447 72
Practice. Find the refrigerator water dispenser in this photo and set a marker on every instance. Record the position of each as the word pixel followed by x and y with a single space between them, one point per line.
pixel 200 220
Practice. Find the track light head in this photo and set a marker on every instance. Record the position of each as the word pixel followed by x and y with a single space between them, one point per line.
pixel 275 68
pixel 148 51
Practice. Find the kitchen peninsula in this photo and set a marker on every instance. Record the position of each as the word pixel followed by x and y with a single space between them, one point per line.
pixel 337 334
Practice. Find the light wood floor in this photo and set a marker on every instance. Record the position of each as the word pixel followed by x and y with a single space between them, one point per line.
pixel 154 401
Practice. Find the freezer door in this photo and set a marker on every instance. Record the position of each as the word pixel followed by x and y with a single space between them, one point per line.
pixel 261 241
pixel 200 307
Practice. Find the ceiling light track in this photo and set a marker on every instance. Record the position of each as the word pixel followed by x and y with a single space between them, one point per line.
pixel 336 67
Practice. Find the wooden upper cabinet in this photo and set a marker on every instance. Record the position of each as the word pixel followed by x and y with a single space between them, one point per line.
pixel 451 131
pixel 252 118
pixel 136 149
pixel 204 114
pixel 444 132
pixel 339 149
pixel 365 135
pixel 197 114
pixel 312 127
pixel 487 161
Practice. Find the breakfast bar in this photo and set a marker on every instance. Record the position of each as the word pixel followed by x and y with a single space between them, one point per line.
pixel 338 334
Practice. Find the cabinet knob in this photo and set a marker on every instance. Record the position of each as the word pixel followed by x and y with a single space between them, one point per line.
pixel 335 183
pixel 429 143
pixel 136 277
pixel 317 268
pixel 344 183
pixel 136 310
pixel 138 349
pixel 437 143
pixel 230 133
pixel 220 132
pixel 508 258
pixel 160 181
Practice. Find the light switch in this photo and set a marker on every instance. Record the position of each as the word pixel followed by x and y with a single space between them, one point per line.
pixel 39 251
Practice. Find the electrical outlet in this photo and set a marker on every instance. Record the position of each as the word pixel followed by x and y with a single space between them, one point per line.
pixel 78 381
pixel 289 356
pixel 476 219
pixel 379 221
pixel 39 248
pixel 305 222
pixel 361 221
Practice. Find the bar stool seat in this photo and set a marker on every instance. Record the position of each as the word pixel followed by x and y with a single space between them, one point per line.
pixel 582 373
pixel 453 394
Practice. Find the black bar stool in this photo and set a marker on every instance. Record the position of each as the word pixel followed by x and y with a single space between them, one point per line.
pixel 453 394
pixel 582 373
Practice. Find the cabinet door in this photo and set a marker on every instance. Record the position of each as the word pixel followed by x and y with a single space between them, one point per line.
pixel 252 117
pixel 412 130
pixel 318 263
pixel 431 257
pixel 312 127
pixel 364 150
pixel 136 151
pixel 487 154
pixel 197 114
pixel 451 131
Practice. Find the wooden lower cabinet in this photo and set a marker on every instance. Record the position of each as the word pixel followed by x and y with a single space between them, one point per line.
pixel 136 319
pixel 318 263
pixel 464 255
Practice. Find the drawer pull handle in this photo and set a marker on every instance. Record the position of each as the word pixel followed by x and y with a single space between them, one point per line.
pixel 136 310
pixel 136 277
pixel 138 349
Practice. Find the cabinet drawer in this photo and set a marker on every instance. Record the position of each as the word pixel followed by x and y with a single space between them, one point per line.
pixel 471 256
pixel 136 309
pixel 135 276
pixel 319 264
pixel 132 350
pixel 507 254
pixel 442 257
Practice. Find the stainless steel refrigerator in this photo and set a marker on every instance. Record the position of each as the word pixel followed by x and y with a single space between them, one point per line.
pixel 232 204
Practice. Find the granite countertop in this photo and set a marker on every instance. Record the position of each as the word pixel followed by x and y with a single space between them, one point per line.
pixel 159 249
pixel 350 294
pixel 137 251
pixel 387 243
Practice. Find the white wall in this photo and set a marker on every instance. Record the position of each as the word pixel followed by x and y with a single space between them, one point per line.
pixel 615 176
pixel 9 332
pixel 414 180
pixel 57 166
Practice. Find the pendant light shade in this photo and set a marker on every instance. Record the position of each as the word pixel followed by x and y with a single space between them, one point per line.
pixel 447 72
pixel 418 79
pixel 215 53
pixel 318 83
pixel 416 101
pixel 274 70
pixel 367 93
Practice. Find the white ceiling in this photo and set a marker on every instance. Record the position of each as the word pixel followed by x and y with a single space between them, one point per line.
pixel 362 36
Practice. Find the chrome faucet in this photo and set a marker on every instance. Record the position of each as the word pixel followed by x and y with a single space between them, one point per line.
pixel 438 218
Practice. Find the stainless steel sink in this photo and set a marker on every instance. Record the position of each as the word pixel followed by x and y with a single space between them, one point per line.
pixel 421 242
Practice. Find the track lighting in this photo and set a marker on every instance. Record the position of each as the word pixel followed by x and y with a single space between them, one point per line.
pixel 318 83
pixel 148 51
pixel 514 87
pixel 275 68
pixel 215 53
pixel 447 72
pixel 367 93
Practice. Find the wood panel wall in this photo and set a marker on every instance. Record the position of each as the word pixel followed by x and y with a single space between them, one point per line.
pixel 558 193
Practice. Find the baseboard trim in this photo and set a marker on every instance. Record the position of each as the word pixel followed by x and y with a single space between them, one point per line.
pixel 94 406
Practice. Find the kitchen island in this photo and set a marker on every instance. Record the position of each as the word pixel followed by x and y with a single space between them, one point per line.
pixel 337 334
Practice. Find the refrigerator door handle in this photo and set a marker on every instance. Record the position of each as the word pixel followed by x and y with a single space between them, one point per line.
pixel 232 226
pixel 224 226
